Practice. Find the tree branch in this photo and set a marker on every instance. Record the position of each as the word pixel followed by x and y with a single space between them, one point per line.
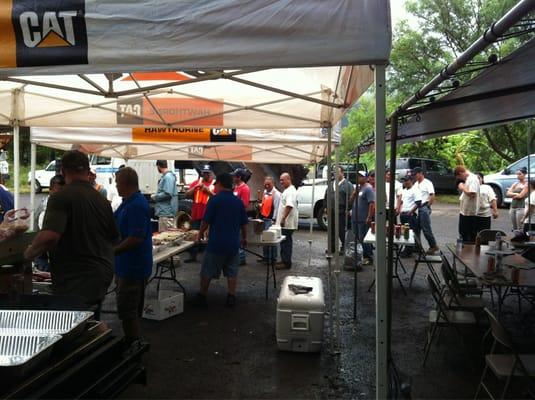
pixel 495 147
pixel 511 140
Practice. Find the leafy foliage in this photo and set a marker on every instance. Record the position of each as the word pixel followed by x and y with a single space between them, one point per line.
pixel 442 31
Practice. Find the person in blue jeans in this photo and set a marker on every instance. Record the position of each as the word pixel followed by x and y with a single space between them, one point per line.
pixel 362 214
pixel 226 217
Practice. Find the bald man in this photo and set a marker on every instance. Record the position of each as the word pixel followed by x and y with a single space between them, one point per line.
pixel 287 218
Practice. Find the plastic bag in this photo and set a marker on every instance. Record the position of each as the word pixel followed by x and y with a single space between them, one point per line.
pixel 350 257
pixel 15 223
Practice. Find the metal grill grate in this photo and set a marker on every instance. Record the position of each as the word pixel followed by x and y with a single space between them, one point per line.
pixel 38 322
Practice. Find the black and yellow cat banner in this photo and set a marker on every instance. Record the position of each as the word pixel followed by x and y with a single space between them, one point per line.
pixel 81 36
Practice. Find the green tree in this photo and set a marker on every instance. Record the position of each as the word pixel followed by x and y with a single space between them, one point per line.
pixel 443 30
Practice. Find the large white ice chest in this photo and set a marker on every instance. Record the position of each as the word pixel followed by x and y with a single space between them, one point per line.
pixel 300 316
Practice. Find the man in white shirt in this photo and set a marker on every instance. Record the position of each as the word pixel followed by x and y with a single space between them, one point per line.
pixel 529 214
pixel 427 191
pixel 488 208
pixel 398 187
pixel 411 200
pixel 469 204
pixel 287 218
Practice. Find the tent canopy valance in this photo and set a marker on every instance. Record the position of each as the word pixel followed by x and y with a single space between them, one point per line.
pixel 196 144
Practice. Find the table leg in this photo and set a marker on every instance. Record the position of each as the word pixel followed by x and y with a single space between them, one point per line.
pixel 268 262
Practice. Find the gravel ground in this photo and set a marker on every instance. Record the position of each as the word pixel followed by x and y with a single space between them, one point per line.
pixel 231 353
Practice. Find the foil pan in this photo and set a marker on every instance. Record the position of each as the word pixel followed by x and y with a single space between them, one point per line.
pixel 39 322
pixel 21 353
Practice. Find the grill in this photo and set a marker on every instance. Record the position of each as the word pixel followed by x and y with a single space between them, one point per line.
pixel 30 322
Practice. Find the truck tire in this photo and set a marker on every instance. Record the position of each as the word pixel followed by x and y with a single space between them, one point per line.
pixel 499 196
pixel 321 217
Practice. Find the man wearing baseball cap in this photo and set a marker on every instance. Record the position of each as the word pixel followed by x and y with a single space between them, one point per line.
pixel 427 191
pixel 362 214
pixel 225 216
pixel 200 192
pixel 79 231
pixel 241 189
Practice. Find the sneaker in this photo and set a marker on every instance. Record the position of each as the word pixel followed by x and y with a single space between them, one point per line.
pixel 231 300
pixel 200 301
pixel 432 251
pixel 367 261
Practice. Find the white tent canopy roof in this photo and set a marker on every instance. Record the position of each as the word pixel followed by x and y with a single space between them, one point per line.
pixel 258 146
pixel 269 99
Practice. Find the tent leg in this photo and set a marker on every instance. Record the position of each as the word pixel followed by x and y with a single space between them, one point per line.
pixel 33 155
pixel 380 227
pixel 336 244
pixel 16 162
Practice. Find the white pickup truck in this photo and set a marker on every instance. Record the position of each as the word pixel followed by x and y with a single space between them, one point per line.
pixel 313 208
pixel 317 209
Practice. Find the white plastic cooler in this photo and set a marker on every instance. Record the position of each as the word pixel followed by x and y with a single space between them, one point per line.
pixel 300 316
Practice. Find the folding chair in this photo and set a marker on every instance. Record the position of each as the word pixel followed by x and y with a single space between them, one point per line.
pixel 457 300
pixel 488 235
pixel 504 365
pixel 466 286
pixel 429 260
pixel 444 317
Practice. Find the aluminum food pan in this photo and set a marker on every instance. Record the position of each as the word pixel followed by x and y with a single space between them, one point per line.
pixel 21 353
pixel 37 322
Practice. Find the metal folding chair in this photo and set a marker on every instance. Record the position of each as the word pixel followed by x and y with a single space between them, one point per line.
pixel 504 365
pixel 426 259
pixel 444 317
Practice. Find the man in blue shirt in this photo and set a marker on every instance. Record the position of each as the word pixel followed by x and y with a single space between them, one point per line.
pixel 225 216
pixel 166 197
pixel 6 202
pixel 133 255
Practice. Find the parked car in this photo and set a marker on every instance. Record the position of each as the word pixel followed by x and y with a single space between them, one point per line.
pixel 4 166
pixel 437 172
pixel 43 176
pixel 317 209
pixel 502 180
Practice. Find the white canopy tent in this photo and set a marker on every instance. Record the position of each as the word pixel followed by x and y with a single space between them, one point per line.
pixel 275 64
pixel 256 146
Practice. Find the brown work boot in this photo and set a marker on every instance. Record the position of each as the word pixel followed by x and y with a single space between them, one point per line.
pixel 432 251
pixel 282 265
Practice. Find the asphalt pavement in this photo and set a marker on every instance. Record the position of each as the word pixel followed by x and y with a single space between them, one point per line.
pixel 231 353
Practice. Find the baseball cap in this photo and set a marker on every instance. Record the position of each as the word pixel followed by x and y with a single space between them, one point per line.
pixel 362 173
pixel 417 170
pixel 405 178
pixel 239 172
pixel 206 168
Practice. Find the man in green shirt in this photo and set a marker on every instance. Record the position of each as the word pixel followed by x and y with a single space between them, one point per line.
pixel 79 231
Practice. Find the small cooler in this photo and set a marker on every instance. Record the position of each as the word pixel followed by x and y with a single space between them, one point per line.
pixel 300 316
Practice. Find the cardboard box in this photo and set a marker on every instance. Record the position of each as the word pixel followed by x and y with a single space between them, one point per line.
pixel 163 305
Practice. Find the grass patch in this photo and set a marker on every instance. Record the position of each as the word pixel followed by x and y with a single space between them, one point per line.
pixel 24 183
pixel 448 198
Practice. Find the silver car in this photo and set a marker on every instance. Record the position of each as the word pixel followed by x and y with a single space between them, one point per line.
pixel 501 181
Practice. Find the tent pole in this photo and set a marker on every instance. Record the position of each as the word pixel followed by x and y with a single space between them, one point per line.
pixel 16 162
pixel 381 303
pixel 329 230
pixel 33 153
pixel 336 243
pixel 355 272
pixel 311 219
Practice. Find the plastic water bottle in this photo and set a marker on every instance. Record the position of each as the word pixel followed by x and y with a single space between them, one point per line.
pixel 498 241
pixel 459 246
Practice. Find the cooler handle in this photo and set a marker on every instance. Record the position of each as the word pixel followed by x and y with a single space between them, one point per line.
pixel 300 322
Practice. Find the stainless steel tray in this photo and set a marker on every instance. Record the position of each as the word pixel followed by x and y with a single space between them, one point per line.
pixel 20 353
pixel 37 322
